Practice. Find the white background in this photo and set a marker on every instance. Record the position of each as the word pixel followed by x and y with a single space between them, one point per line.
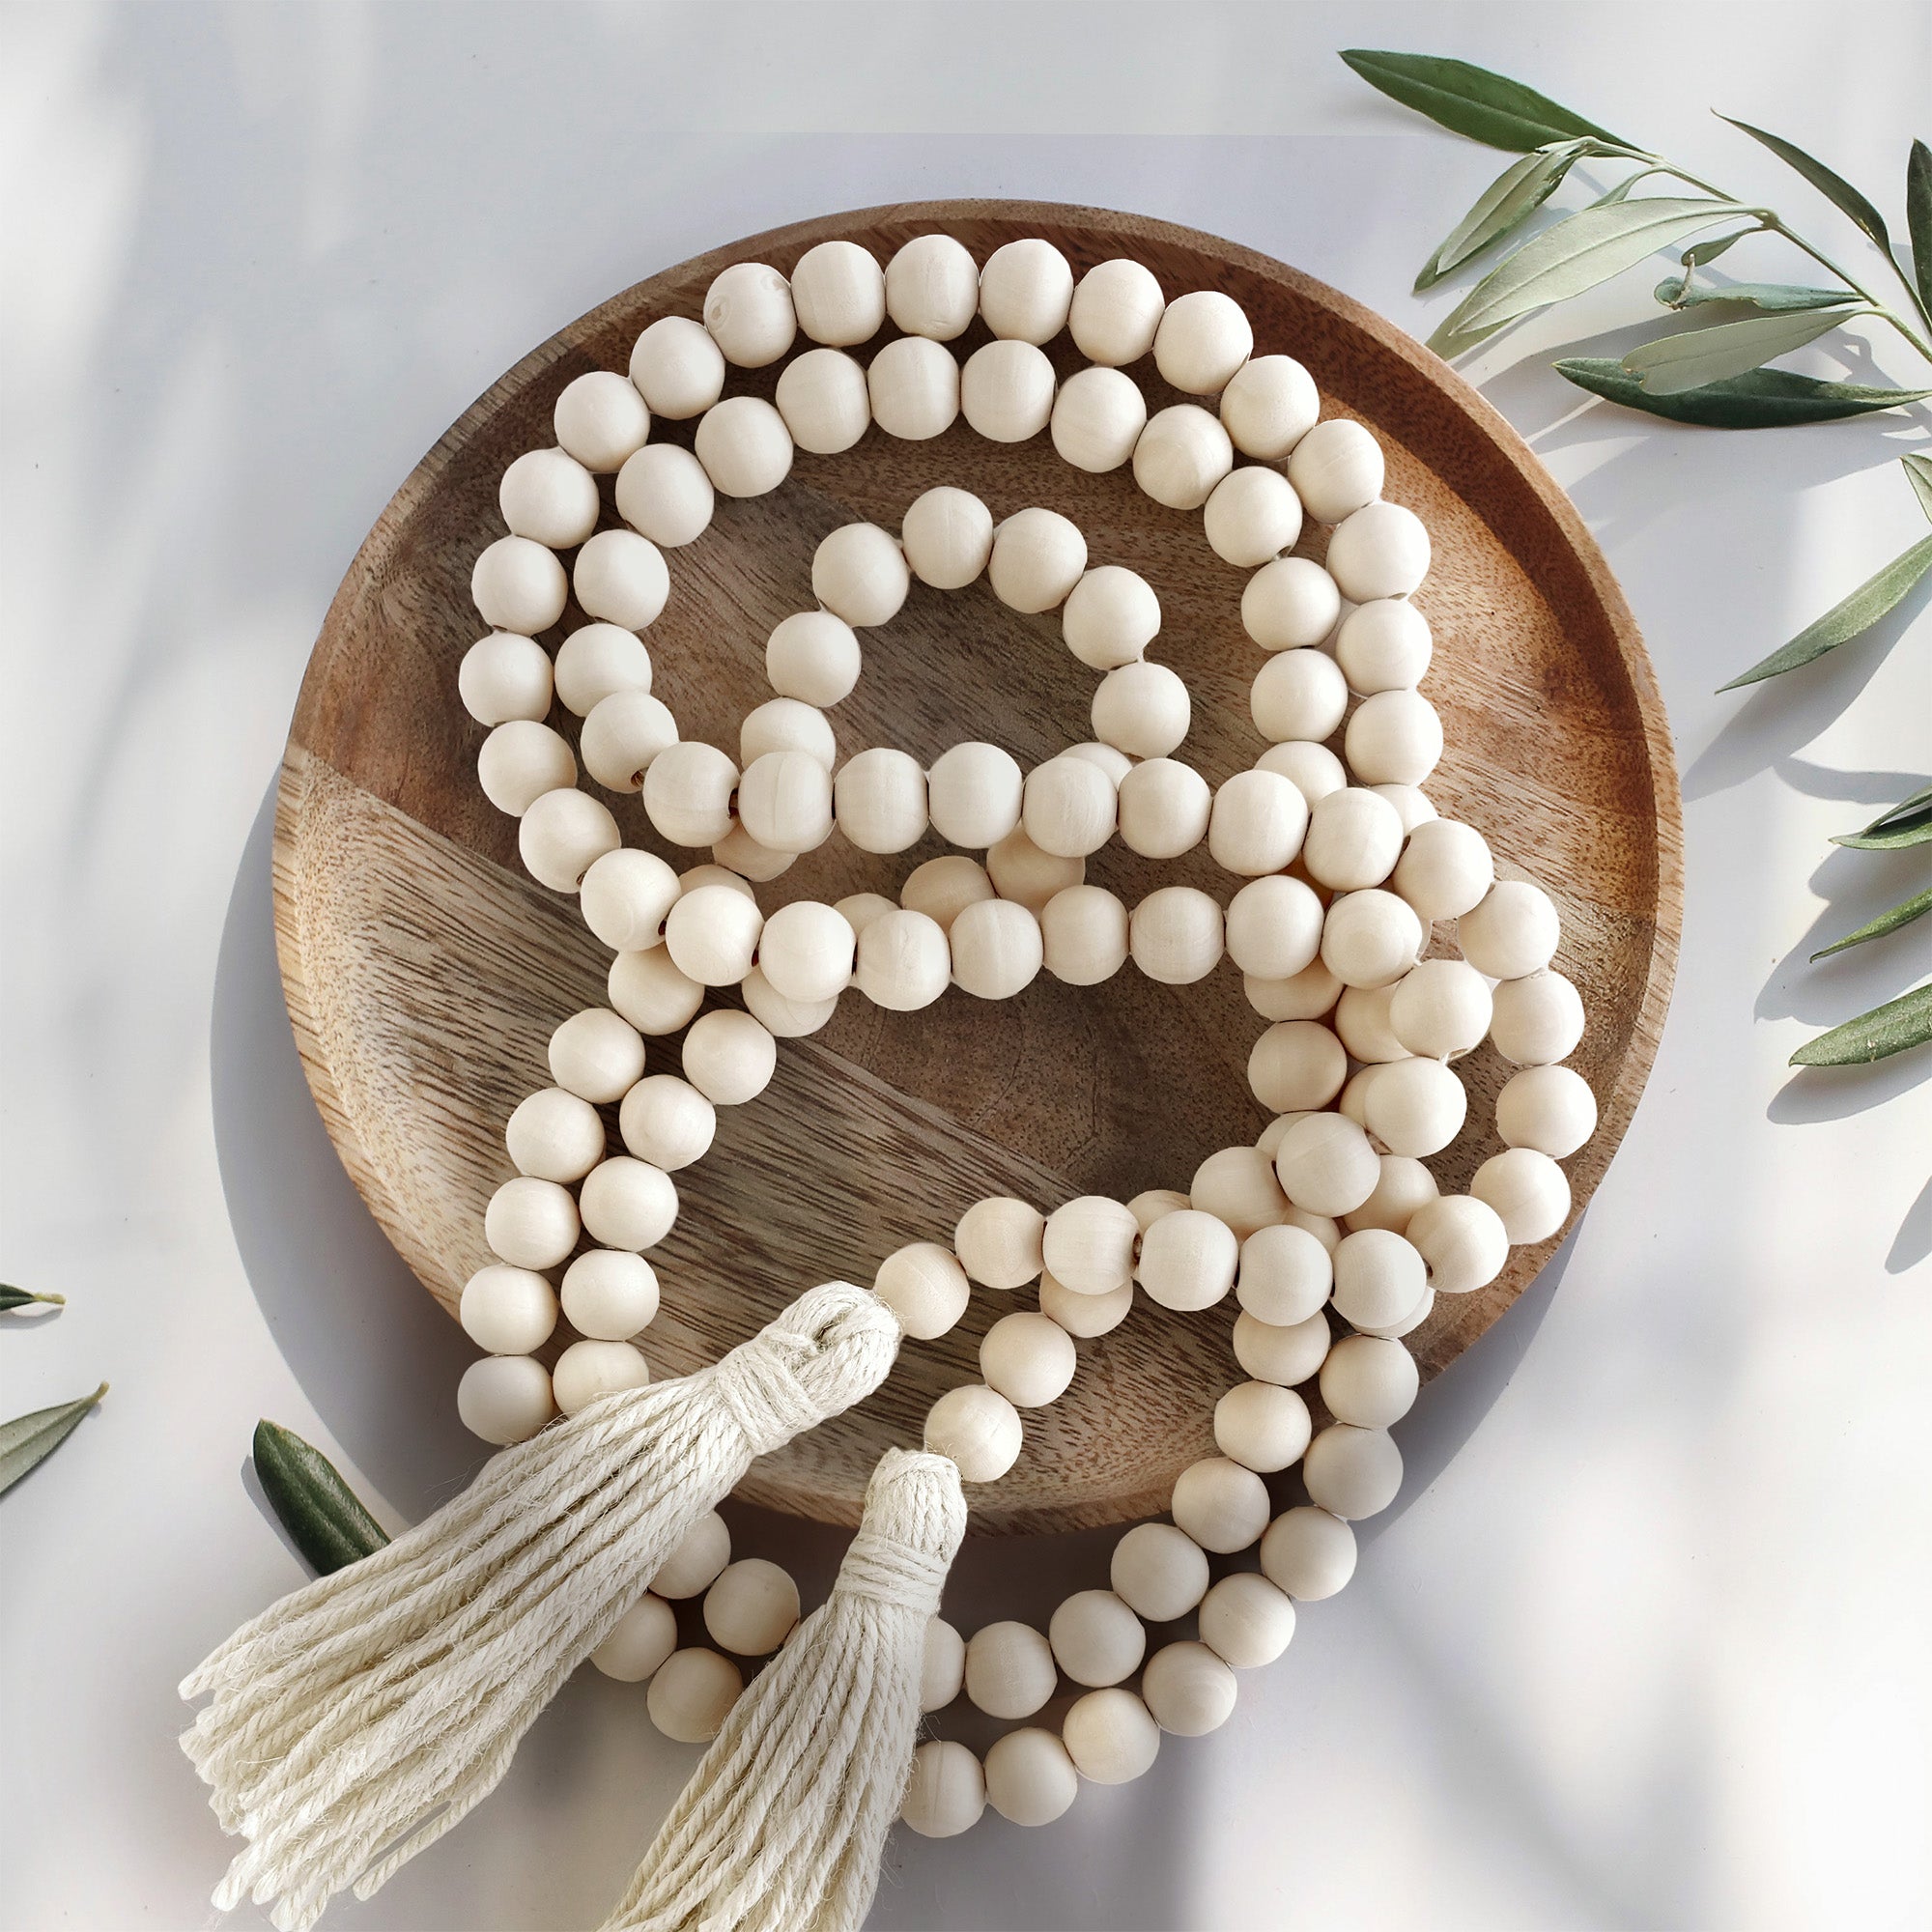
pixel 1645 1643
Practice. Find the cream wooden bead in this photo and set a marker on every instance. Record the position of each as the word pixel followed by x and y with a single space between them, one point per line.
pixel 1110 617
pixel 914 387
pixel 1088 1244
pixel 1445 868
pixel 880 801
pixel 1296 1067
pixel 1187 1259
pixel 1188 1690
pixel 1274 925
pixel 1237 1186
pixel 1252 517
pixel 997 949
pixel 1164 809
pixel 1511 933
pixel 1159 1572
pixel 504 1398
pixel 1291 604
pixel 1068 806
pixel 814 657
pixel 555 1136
pixel 504 676
pixel 1115 312
pixel 1026 291
pixel 784 802
pixel 1383 644
pixel 639 1641
pixel 712 935
pixel 1537 1020
pixel 691 1694
pixel 1085 1316
pixel 1246 1621
pixel 1141 709
pixel 1006 391
pixel 1352 1472
pixel 1175 935
pixel 1000 1242
pixel 609 1294
pixel 1037 557
pixel 1336 470
pixel 973 794
pixel 1257 825
pixel 688 790
pixel 1084 935
pixel 1098 418
pixel 1308 1553
pixel 651 993
pixel 549 496
pixel 627 1204
pixel 1440 1007
pixel 932 288
pixel 677 368
pixel 1313 770
pixel 693 1566
pixel 942 1673
pixel 978 1429
pixel 1379 551
pixel 748 310
pixel 1219 1504
pixel 1261 1426
pixel 1326 1165
pixel 1150 1204
pixel 903 961
pixel 825 399
pixel 1111 1737
pixel 597 1055
pixel 597 659
pixel 1403 1189
pixel 1378 1278
pixel 1411 805
pixel 622 736
pixel 626 897
pixel 1394 738
pixel 1283 1355
pixel 860 909
pixel 943 887
pixel 1369 1382
pixel 946 1794
pixel 1030 877
pixel 1181 455
pixel 752 1607
pixel 729 1057
pixel 1270 404
pixel 518 585
pixel 1010 1668
pixel 621 578
pixel 784 724
pixel 519 762
pixel 805 950
pixel 1097 1638
pixel 1302 996
pixel 509 1311
pixel 1370 938
pixel 859 573
pixel 1285 1275
pixel 741 855
pixel 1030 1777
pixel 664 494
pixel 948 537
pixel 745 446
pixel 1204 337
pixel 1528 1191
pixel 838 292
pixel 600 419
pixel 1354 1095
pixel 1299 695
pixel 588 1369
pixel 563 834
pixel 925 1286
pixel 667 1122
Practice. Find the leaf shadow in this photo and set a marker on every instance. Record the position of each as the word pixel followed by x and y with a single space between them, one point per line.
pixel 1856 887
pixel 1914 1241
pixel 1871 789
pixel 34 1315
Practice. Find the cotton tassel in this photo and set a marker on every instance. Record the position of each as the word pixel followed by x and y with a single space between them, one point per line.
pixel 359 1718
pixel 782 1827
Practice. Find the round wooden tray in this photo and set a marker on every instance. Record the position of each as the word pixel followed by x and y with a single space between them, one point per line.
pixel 424 972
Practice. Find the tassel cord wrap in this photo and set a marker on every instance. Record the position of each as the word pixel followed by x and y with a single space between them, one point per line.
pixel 359 1718
pixel 781 1826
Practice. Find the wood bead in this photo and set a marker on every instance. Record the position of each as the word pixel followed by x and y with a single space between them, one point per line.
pixel 1068 806
pixel 1164 809
pixel 1252 517
pixel 563 834
pixel 1221 1505
pixel 518 585
pixel 1001 1242
pixel 504 676
pixel 1285 1275
pixel 1159 1572
pixel 748 310
pixel 1326 1165
pixel 509 1311
pixel 1537 1020
pixel 1394 738
pixel 1410 1322
pixel 1085 1316
pixel 1009 1669
pixel 1378 1278
pixel 1440 1007
pixel 694 1564
pixel 1187 1259
pixel 1528 1191
pixel 784 802
pixel 596 1054
pixel 1110 617
pixel 879 800
pixel 1237 1186
pixel 1097 1638
pixel 838 292
pixel 1296 1067
pixel 1087 1245
pixel 948 537
pixel 504 1398
pixel 1511 933
pixel 1098 418
pixel 1175 935
pixel 1006 391
pixel 1115 312
pixel 597 659
pixel 667 1122
pixel 1411 805
pixel 745 446
pixel 1370 938
pixel 943 887
pixel 1336 470
pixel 627 1204
pixel 1038 556
pixel 1313 770
pixel 1026 291
pixel 1298 694
pixel 554 1136
pixel 1417 1107
pixel 1352 1472
pixel 752 1609
pixel 942 1673
pixel 1261 1426
pixel 814 657
pixel 519 762
pixel 1445 870
pixel 1181 455
pixel 609 1294
pixel 825 398
pixel 712 935
pixel 1368 1382
pixel 1291 604
pixel 1111 1736
pixel 691 1694
pixel 677 368
pixel 664 494
pixel 649 991
pixel 729 1057
pixel 1030 877
pixel 1404 1188
pixel 638 1642
pixel 903 961
pixel 1256 824
pixel 1302 996
pixel 1274 926
pixel 1308 1553
pixel 932 288
pixel 740 854
pixel 1030 1777
pixel 914 386
pixel 626 897
pixel 588 1369
pixel 621 578
pixel 1188 1690
pixel 1154 1204
pixel 807 950
pixel 946 1792
pixel 978 1429
pixel 1084 935
pixel 1383 644
pixel 1246 1621
pixel 997 949
pixel 1204 338
pixel 622 737
pixel 859 573
pixel 600 419
pixel 1270 404
pixel 549 496
pixel 925 1286
pixel 688 790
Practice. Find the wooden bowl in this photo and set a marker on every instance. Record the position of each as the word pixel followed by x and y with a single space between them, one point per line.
pixel 424 971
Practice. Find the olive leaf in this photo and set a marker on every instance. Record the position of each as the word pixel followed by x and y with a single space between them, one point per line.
pixel 1771 298
pixel 30 1439
pixel 1762 399
pixel 1919 473
pixel 1907 823
pixel 1846 619
pixel 321 1513
pixel 1902 914
pixel 1833 185
pixel 1509 201
pixel 1900 1023
pixel 1690 359
pixel 1919 222
pixel 1471 101
pixel 20 1298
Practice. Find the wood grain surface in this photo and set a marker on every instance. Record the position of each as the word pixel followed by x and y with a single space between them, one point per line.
pixel 424 972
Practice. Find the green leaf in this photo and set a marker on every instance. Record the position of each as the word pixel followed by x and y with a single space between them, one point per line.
pixel 1771 298
pixel 1471 101
pixel 1908 823
pixel 29 1440
pixel 1902 914
pixel 1919 222
pixel 318 1509
pixel 1847 619
pixel 1696 356
pixel 1509 201
pixel 1919 473
pixel 20 1297
pixel 1577 253
pixel 1700 253
pixel 1833 185
pixel 1763 399
pixel 1886 1030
